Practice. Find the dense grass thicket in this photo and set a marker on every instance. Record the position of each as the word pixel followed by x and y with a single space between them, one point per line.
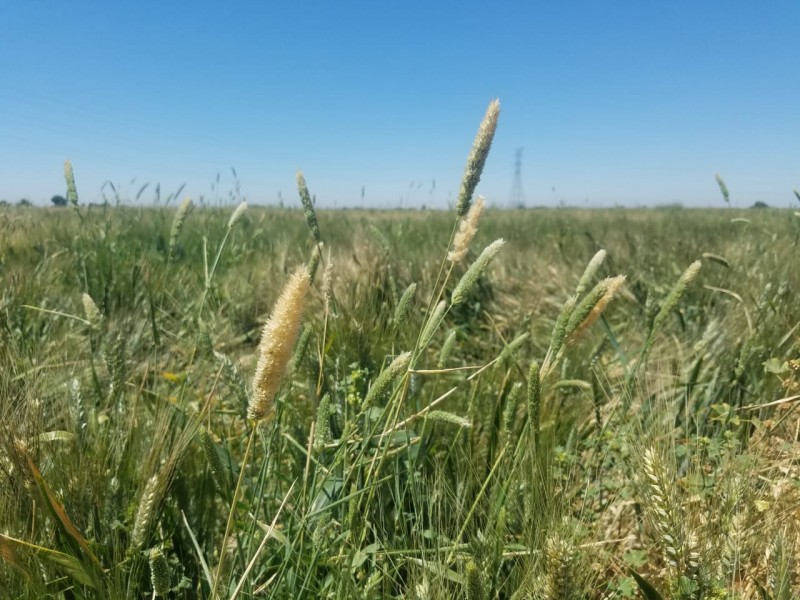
pixel 519 423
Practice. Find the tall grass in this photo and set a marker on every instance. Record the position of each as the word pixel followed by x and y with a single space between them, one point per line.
pixel 577 411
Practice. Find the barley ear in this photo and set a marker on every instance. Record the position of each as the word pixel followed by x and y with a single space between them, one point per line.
pixel 277 342
pixel 145 512
pixel 308 207
pixel 214 461
pixel 475 270
pixel 534 401
pixel 159 573
pixel 477 157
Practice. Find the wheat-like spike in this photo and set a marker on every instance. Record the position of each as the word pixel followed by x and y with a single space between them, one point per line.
pixel 560 572
pixel 397 367
pixel 401 312
pixel 475 270
pixel 214 461
pixel 204 345
pixel 145 512
pixel 659 503
pixel 477 157
pixel 116 362
pixel 589 272
pixel 277 341
pixel 72 191
pixel 233 379
pixel 159 573
pixel 466 231
pixel 237 214
pixel 308 207
pixel 796 195
pixel 534 401
pixel 613 284
pixel 78 408
pixel 676 293
pixel 177 224
pixel 723 188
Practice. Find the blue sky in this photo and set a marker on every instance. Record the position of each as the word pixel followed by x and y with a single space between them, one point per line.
pixel 614 102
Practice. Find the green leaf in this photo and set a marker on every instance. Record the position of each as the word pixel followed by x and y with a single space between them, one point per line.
pixel 648 590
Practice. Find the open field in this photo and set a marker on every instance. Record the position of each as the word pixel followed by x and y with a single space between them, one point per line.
pixel 512 453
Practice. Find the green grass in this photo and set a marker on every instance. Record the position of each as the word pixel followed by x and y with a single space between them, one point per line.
pixel 527 447
pixel 435 487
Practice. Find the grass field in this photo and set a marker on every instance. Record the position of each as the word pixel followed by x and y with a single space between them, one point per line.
pixel 517 423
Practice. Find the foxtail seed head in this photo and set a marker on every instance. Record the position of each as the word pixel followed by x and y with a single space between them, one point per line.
pixel 475 270
pixel 612 286
pixel 177 223
pixel 386 378
pixel 676 293
pixel 401 312
pixel 237 214
pixel 159 573
pixel 466 231
pixel 277 340
pixel 72 191
pixel 477 157
pixel 590 271
pixel 93 314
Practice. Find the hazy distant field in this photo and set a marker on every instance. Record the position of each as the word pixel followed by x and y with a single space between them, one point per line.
pixel 660 442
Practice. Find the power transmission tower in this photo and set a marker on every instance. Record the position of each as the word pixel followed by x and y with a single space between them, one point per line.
pixel 516 198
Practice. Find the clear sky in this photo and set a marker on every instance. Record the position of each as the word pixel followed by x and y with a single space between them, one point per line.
pixel 623 102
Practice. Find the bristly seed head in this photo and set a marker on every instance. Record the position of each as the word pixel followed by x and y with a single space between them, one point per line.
pixel 466 231
pixel 277 341
pixel 477 157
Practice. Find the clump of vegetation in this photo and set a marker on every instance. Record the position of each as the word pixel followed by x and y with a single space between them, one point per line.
pixel 551 404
